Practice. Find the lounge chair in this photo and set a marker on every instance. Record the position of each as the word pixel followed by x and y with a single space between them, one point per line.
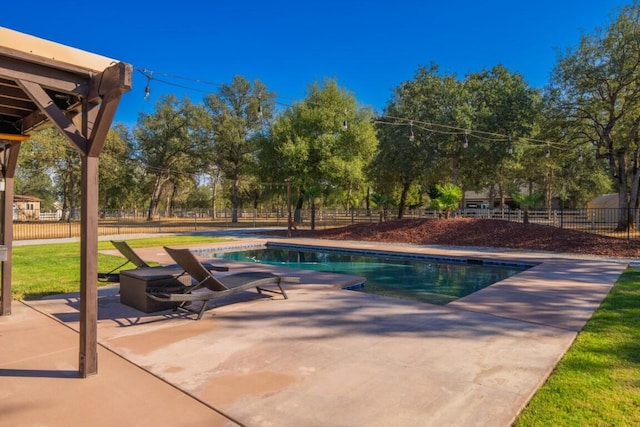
pixel 206 286
pixel 131 257
pixel 135 259
pixel 129 254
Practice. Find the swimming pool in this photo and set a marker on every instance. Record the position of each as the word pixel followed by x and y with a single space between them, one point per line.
pixel 414 277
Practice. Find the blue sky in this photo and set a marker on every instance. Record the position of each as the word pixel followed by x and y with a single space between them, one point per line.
pixel 369 47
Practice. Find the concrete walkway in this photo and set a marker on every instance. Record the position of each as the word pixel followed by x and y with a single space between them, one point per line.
pixel 324 357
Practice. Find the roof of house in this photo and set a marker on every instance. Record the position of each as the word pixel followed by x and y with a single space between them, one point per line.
pixel 21 198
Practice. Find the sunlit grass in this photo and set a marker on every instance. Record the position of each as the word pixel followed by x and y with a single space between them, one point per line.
pixel 597 383
pixel 48 269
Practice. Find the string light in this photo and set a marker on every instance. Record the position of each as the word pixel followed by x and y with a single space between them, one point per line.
pixel 466 140
pixel 412 137
pixel 147 89
pixel 427 126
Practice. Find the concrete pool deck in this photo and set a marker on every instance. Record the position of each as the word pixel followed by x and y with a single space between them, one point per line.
pixel 324 357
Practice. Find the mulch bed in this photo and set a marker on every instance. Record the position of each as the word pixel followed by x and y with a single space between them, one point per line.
pixel 482 233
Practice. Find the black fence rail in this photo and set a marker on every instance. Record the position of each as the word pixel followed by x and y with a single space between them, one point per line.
pixel 602 221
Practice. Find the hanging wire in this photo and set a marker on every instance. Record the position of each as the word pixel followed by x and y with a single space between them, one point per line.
pixel 426 126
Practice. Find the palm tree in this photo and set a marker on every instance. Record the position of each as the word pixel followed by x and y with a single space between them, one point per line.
pixel 447 199
pixel 526 201
pixel 382 202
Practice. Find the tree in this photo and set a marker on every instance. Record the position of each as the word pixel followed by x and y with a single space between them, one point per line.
pixel 166 146
pixel 504 109
pixel 119 175
pixel 561 168
pixel 447 198
pixel 50 154
pixel 598 87
pixel 526 202
pixel 237 114
pixel 411 147
pixel 34 174
pixel 326 140
pixel 383 203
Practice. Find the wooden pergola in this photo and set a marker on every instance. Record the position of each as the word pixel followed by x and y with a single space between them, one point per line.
pixel 44 83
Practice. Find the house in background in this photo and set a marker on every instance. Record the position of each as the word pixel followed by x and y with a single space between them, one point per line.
pixel 26 208
pixel 604 208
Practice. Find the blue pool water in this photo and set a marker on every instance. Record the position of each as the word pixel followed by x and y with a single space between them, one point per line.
pixel 418 278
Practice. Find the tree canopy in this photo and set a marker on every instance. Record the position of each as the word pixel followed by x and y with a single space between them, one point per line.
pixel 488 130
pixel 323 143
pixel 597 88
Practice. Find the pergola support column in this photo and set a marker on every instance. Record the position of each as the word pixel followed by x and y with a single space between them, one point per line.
pixel 88 136
pixel 9 161
pixel 89 268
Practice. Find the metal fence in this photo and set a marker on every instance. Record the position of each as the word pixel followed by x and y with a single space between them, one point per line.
pixel 600 221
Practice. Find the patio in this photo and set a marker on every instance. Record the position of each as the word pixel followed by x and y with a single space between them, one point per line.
pixel 324 357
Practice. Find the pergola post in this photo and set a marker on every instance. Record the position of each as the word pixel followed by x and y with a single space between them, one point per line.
pixel 41 83
pixel 87 133
pixel 89 268
pixel 8 167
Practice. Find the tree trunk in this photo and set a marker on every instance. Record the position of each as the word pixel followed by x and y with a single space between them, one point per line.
pixel 215 178
pixel 156 193
pixel 234 201
pixel 172 201
pixel 627 199
pixel 403 199
pixel 313 215
pixel 297 216
pixel 492 196
pixel 548 192
pixel 368 201
pixel 455 176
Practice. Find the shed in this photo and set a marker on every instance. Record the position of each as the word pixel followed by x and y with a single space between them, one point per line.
pixel 603 208
pixel 605 201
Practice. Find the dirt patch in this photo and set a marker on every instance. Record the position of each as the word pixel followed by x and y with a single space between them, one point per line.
pixel 481 233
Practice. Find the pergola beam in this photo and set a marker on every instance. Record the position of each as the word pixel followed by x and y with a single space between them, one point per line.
pixel 53 113
pixel 44 76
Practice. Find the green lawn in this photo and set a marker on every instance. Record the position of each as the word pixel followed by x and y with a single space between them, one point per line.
pixel 597 383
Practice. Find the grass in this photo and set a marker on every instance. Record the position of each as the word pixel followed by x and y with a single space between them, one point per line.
pixel 597 382
pixel 49 269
